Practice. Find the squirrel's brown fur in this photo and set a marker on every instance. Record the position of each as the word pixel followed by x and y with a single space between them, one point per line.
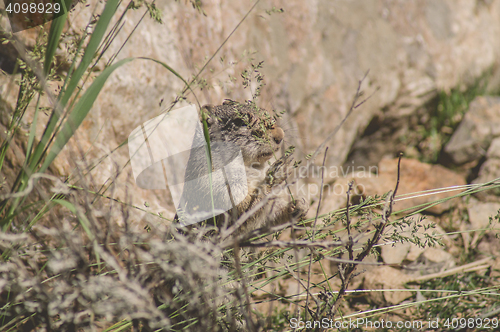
pixel 255 132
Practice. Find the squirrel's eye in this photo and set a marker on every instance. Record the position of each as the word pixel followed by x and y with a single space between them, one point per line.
pixel 239 122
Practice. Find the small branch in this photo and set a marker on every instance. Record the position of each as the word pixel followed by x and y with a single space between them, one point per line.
pixel 301 284
pixel 314 229
pixel 246 313
pixel 348 222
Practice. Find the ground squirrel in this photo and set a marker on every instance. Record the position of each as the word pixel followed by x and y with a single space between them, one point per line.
pixel 255 133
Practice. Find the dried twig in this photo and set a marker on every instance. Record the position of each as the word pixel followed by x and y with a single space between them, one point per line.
pixel 348 222
pixel 314 229
pixel 308 292
pixel 246 313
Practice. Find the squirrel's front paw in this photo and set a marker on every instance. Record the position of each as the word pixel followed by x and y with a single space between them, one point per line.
pixel 279 171
pixel 299 208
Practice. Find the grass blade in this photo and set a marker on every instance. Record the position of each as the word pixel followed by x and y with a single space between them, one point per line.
pixel 79 113
pixel 94 42
pixel 56 28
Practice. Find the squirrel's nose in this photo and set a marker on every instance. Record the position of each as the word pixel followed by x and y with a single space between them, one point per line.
pixel 277 135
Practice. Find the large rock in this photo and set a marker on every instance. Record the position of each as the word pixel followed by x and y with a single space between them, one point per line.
pixel 480 125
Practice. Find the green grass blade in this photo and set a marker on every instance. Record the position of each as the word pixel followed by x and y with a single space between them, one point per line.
pixel 95 40
pixel 31 138
pixel 170 69
pixel 81 217
pixel 79 113
pixel 56 28
pixel 74 120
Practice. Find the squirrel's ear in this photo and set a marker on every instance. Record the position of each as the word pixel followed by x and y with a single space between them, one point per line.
pixel 208 110
pixel 228 102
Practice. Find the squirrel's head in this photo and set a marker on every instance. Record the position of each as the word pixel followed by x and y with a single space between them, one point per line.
pixel 253 129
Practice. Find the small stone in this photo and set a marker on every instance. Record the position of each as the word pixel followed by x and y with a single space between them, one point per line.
pixel 409 251
pixel 386 277
pixel 494 149
pixel 432 260
pixel 437 255
pixel 490 170
pixel 395 254
pixel 414 253
pixel 479 213
pixel 480 125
